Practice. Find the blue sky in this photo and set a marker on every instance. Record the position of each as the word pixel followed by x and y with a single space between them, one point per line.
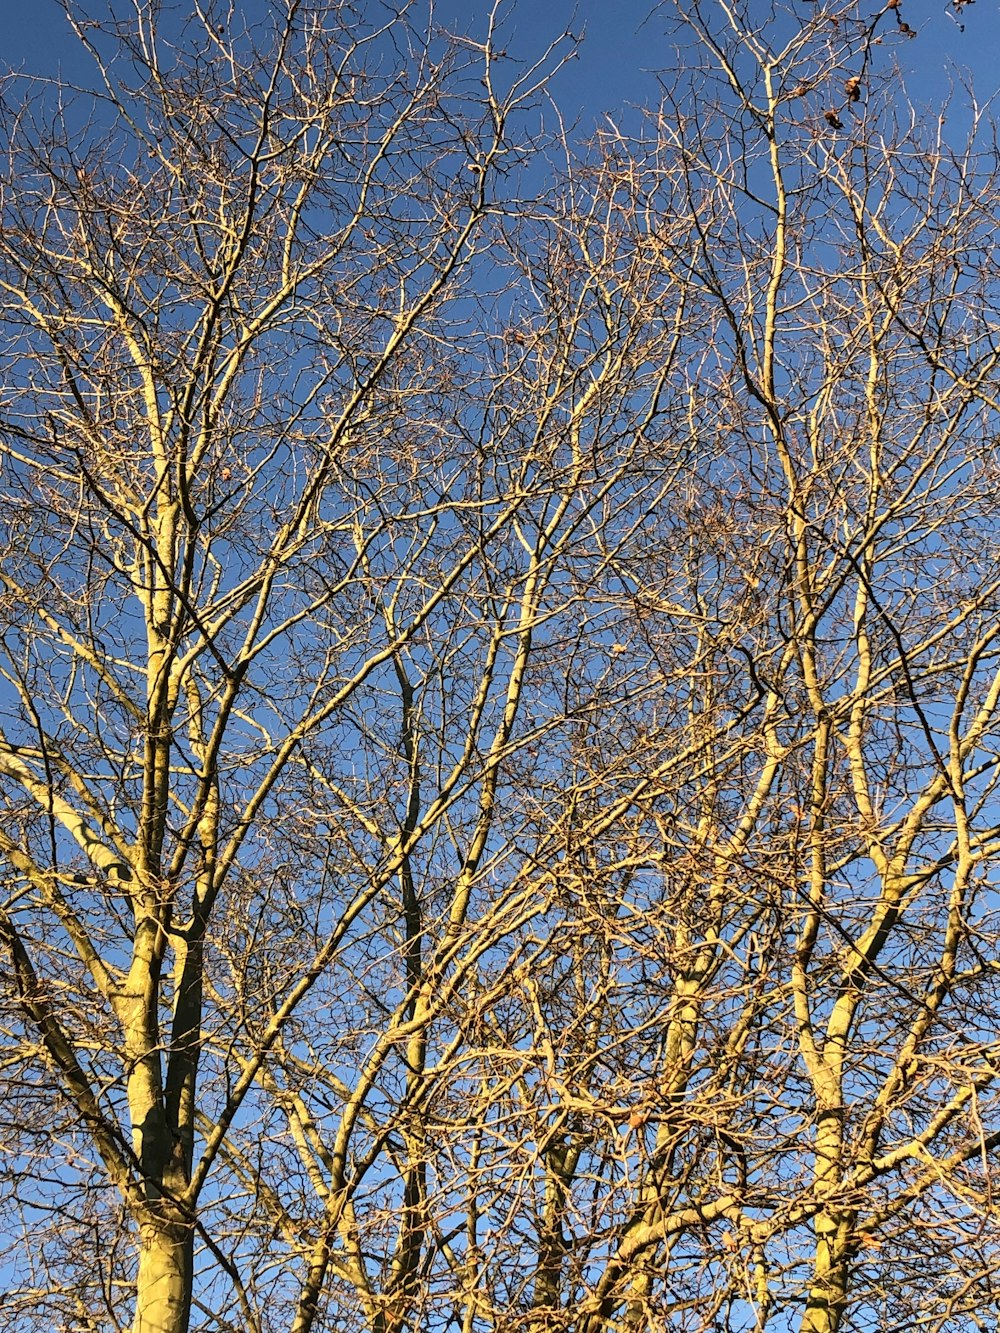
pixel 624 47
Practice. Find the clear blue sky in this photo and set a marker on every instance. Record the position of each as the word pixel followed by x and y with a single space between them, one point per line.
pixel 623 49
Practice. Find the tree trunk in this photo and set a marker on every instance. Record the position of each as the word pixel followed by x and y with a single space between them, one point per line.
pixel 166 1267
pixel 834 1225
pixel 827 1299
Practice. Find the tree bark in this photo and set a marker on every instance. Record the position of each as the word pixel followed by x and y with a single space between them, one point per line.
pixel 166 1269
pixel 827 1300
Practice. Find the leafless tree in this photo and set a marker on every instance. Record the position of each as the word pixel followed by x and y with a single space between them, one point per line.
pixel 500 683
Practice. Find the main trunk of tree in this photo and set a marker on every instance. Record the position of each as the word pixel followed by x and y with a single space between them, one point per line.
pixel 166 1266
pixel 833 1226
pixel 827 1299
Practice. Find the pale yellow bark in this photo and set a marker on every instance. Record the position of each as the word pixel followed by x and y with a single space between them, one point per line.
pixel 163 1287
pixel 827 1299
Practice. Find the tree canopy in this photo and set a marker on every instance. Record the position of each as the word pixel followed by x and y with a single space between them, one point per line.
pixel 499 684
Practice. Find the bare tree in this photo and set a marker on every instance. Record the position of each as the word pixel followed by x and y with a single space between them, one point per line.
pixel 790 1013
pixel 241 529
pixel 499 690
